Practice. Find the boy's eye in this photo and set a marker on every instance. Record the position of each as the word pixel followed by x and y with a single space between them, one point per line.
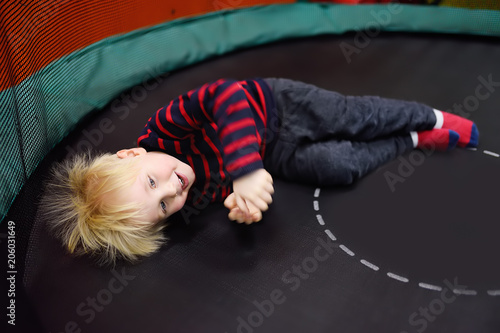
pixel 163 205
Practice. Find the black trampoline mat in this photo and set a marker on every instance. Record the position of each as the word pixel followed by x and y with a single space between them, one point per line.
pixel 413 255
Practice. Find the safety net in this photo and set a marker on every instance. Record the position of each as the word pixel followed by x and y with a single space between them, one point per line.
pixel 63 59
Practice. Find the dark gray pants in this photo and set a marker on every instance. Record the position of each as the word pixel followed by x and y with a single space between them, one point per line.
pixel 325 138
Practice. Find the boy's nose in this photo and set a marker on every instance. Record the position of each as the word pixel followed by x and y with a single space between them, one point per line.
pixel 170 189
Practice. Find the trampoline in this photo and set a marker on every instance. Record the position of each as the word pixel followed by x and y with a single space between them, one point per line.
pixel 412 247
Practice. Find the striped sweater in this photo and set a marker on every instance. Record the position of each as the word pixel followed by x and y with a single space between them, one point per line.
pixel 219 129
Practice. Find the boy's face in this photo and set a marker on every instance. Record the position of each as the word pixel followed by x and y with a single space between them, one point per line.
pixel 162 184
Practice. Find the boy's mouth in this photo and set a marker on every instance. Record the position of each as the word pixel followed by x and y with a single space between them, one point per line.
pixel 183 180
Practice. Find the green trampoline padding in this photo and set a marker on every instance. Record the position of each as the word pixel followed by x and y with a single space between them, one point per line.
pixel 40 112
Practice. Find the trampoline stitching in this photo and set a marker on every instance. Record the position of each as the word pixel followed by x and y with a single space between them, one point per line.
pixel 329 233
pixel 493 292
pixel 346 250
pixel 487 152
pixel 398 277
pixel 468 292
pixel 369 264
pixel 430 286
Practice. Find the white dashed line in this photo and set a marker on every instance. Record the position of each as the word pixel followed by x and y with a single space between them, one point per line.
pixel 487 152
pixel 369 264
pixel 429 286
pixel 346 250
pixel 468 292
pixel 397 277
pixel 329 233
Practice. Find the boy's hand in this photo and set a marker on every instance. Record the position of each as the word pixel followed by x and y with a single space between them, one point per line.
pixel 251 195
pixel 237 215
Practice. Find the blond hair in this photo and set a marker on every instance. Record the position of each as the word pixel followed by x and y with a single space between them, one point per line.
pixel 78 207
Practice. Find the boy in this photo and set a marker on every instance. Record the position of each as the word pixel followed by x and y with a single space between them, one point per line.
pixel 222 142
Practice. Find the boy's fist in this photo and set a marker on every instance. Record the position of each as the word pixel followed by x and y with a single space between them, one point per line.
pixel 235 214
pixel 251 195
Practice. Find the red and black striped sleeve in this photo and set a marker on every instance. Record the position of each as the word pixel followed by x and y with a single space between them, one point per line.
pixel 236 126
pixel 227 108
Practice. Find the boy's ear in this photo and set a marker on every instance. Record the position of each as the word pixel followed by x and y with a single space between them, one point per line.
pixel 132 152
